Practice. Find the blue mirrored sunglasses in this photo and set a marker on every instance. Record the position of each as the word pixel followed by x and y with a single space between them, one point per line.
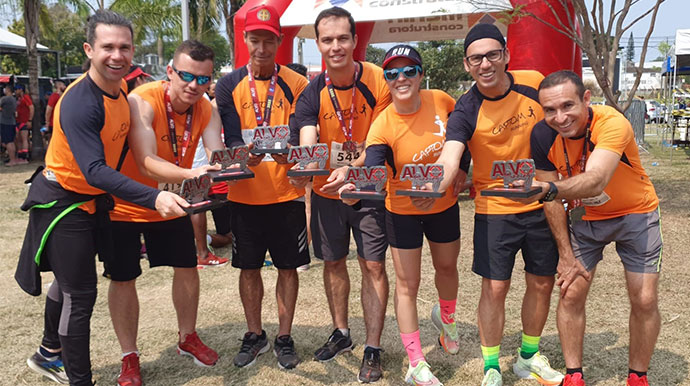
pixel 188 77
pixel 409 72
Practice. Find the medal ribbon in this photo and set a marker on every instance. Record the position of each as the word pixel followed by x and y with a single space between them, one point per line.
pixel 186 137
pixel 583 157
pixel 347 130
pixel 266 119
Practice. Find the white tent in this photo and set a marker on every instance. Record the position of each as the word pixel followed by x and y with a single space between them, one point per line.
pixel 12 40
pixel 402 20
pixel 682 47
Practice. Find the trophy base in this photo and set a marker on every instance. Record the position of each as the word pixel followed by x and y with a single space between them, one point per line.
pixel 231 174
pixel 364 195
pixel 419 193
pixel 268 151
pixel 307 172
pixel 204 206
pixel 511 192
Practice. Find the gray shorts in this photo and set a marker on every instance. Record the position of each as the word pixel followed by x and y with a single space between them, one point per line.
pixel 332 221
pixel 637 237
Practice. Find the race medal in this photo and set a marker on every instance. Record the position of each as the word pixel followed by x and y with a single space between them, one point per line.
pixel 369 183
pixel 511 171
pixel 350 146
pixel 195 192
pixel 420 175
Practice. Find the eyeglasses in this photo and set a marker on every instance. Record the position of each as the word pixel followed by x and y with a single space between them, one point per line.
pixel 409 72
pixel 491 56
pixel 188 77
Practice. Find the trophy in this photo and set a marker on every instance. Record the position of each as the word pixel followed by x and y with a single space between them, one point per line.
pixel 226 158
pixel 511 171
pixel 365 177
pixel 270 139
pixel 304 155
pixel 420 175
pixel 195 191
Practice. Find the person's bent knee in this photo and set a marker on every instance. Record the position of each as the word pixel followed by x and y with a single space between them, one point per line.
pixel 335 265
pixel 644 303
pixel 573 300
pixel 495 290
pixel 540 284
pixel 375 270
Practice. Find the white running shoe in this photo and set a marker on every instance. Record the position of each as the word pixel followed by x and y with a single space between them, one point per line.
pixel 449 339
pixel 421 375
pixel 537 367
pixel 492 378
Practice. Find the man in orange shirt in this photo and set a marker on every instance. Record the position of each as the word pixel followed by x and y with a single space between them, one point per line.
pixel 338 107
pixel 168 118
pixel 494 120
pixel 267 213
pixel 611 199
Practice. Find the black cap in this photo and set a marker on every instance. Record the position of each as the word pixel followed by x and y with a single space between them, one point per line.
pixel 484 31
pixel 402 51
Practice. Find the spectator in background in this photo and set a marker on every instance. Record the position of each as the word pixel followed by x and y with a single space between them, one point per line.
pixel 52 101
pixel 136 77
pixel 25 116
pixel 8 109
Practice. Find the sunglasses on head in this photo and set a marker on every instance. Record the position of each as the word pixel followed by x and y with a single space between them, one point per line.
pixel 408 71
pixel 188 77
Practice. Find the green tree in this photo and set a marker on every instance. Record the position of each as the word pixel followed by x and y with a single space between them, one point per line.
pixel 630 49
pixel 228 9
pixel 665 49
pixel 375 55
pixel 443 65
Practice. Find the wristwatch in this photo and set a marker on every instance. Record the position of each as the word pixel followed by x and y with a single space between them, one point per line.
pixel 550 194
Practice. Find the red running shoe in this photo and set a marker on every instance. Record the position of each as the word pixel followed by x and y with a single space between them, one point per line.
pixel 573 380
pixel 635 380
pixel 130 374
pixel 211 260
pixel 195 348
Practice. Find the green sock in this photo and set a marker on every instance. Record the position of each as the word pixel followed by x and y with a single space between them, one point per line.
pixel 490 355
pixel 530 346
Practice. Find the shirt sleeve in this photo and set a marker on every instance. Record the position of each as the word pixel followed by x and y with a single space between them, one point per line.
pixel 613 132
pixel 294 129
pixel 82 128
pixel 541 141
pixel 232 127
pixel 383 99
pixel 307 109
pixel 458 127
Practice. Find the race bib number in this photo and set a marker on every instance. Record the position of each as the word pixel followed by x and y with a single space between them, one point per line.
pixel 170 187
pixel 599 200
pixel 340 157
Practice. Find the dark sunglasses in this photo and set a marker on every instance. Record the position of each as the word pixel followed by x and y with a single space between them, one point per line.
pixel 188 77
pixel 491 56
pixel 409 72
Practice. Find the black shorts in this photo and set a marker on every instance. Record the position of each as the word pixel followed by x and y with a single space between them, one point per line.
pixel 221 216
pixel 332 221
pixel 7 133
pixel 408 231
pixel 498 237
pixel 168 243
pixel 280 229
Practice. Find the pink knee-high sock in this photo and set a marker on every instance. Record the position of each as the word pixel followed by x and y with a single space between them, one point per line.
pixel 447 310
pixel 413 346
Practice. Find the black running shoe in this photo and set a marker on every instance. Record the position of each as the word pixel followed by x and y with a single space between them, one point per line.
pixel 370 371
pixel 252 346
pixel 336 344
pixel 284 348
pixel 53 369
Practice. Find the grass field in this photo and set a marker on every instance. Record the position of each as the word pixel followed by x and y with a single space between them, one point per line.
pixel 221 321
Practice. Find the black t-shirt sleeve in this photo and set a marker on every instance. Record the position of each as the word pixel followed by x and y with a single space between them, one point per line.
pixel 308 105
pixel 458 127
pixel 541 141
pixel 465 160
pixel 232 127
pixel 82 122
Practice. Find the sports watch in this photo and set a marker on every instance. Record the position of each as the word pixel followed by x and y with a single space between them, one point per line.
pixel 551 193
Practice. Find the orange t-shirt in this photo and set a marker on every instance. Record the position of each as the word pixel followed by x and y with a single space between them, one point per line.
pixel 628 191
pixel 314 108
pixel 270 184
pixel 497 129
pixel 154 94
pixel 415 138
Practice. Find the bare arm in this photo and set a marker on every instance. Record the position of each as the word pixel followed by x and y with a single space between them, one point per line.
pixel 49 113
pixel 211 134
pixel 450 159
pixel 142 141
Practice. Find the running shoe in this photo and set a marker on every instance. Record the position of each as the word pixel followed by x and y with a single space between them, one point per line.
pixel 370 371
pixel 211 261
pixel 492 377
pixel 573 380
pixel 537 367
pixel 421 375
pixel 130 373
pixel 252 346
pixel 336 344
pixel 449 339
pixel 193 346
pixel 303 268
pixel 284 349
pixel 636 380
pixel 53 369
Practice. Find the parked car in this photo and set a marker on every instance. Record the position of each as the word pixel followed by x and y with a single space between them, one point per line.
pixel 655 112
